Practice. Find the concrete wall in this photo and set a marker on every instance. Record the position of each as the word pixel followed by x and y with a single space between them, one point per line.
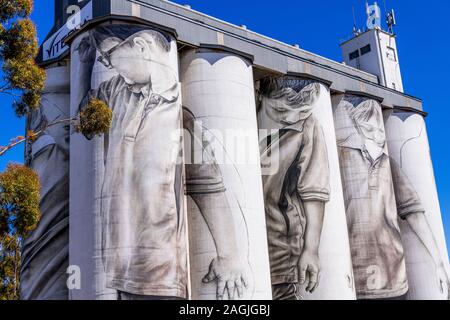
pixel 223 203
pixel 128 225
pixel 390 59
pixel 195 29
pixel 45 254
pixel 372 211
pixel 85 191
pixel 382 60
pixel 227 228
pixel 408 146
pixel 303 194
pixel 369 62
pixel 337 281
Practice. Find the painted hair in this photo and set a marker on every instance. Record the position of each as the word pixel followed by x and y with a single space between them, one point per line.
pixel 364 110
pixel 129 32
pixel 298 92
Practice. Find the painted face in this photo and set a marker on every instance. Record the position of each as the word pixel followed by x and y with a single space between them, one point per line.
pixel 130 60
pixel 373 129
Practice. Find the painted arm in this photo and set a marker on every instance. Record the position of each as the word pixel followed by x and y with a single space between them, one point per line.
pixel 87 52
pixel 229 268
pixel 314 190
pixel 309 264
pixel 410 209
pixel 420 226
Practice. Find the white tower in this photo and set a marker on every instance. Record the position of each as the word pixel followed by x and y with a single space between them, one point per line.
pixel 375 50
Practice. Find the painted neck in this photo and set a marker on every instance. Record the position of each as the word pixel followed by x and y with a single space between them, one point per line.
pixel 163 77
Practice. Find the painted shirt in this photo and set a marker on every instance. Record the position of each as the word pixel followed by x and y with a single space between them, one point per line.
pixel 299 154
pixel 372 216
pixel 144 237
pixel 203 174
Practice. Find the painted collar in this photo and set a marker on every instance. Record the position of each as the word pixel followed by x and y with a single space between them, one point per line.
pixel 169 95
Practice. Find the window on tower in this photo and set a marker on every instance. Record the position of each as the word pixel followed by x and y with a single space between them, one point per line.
pixel 366 50
pixel 354 55
pixel 391 55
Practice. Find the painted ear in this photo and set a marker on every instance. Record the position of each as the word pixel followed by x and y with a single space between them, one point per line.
pixel 143 46
pixel 108 43
pixel 310 93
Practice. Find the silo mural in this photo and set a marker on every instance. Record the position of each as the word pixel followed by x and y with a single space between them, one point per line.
pixel 227 232
pixel 135 202
pixel 307 231
pixel 408 146
pixel 377 193
pixel 45 255
pixel 210 185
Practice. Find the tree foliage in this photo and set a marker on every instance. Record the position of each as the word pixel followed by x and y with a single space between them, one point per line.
pixel 9 264
pixel 95 118
pixel 19 186
pixel 23 79
pixel 15 8
pixel 19 200
pixel 19 214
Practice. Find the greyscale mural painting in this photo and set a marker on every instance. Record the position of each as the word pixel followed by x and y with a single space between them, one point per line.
pixel 142 212
pixel 230 269
pixel 227 235
pixel 376 194
pixel 45 252
pixel 295 195
pixel 408 145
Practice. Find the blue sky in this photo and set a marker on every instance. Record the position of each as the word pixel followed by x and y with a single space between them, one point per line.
pixel 319 26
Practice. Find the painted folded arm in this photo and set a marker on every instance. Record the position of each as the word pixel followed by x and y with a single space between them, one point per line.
pixel 410 209
pixel 86 53
pixel 314 191
pixel 94 115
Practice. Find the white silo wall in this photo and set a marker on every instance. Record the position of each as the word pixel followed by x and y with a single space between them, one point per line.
pixel 227 228
pixel 86 172
pixel 45 254
pixel 408 146
pixel 336 281
pixel 372 210
pixel 297 114
pixel 128 236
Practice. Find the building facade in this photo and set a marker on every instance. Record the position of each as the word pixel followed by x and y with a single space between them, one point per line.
pixel 236 166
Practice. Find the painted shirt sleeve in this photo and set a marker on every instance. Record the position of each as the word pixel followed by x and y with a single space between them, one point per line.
pixel 407 199
pixel 203 175
pixel 314 180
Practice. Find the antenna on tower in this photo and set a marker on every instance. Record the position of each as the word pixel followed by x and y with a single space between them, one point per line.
pixel 385 7
pixel 391 21
pixel 355 28
pixel 367 8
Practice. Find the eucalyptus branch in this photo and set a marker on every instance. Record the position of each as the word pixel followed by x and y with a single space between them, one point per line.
pixel 34 135
pixel 5 88
pixel 10 93
pixel 12 145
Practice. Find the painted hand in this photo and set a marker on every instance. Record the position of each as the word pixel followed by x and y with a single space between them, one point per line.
pixel 86 50
pixel 444 280
pixel 309 265
pixel 231 277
